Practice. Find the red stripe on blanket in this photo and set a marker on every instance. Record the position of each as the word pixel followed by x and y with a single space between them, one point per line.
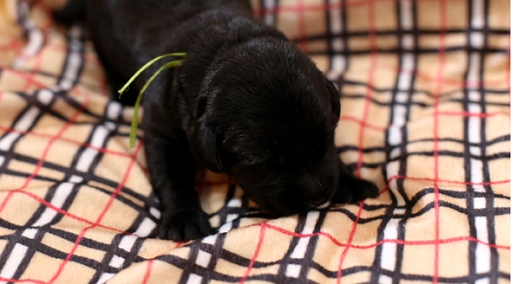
pixel 65 139
pixel 469 114
pixel 348 243
pixel 54 138
pixel 450 181
pixel 100 217
pixel 68 214
pixel 9 280
pixel 437 92
pixel 370 80
pixel 14 45
pixel 302 26
pixel 363 124
pixel 30 78
pixel 425 77
pixel 374 245
pixel 256 252
pixel 315 8
pixel 26 76
pixel 148 271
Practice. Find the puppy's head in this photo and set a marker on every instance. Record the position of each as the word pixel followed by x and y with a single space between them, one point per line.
pixel 266 116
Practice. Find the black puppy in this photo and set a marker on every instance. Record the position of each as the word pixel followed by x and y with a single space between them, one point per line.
pixel 246 102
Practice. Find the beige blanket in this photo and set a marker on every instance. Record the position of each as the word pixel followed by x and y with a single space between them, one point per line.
pixel 425 116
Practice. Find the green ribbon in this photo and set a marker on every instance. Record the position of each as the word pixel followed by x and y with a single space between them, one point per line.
pixel 168 65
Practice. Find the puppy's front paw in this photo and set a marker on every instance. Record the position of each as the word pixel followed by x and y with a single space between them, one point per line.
pixel 351 189
pixel 362 189
pixel 184 225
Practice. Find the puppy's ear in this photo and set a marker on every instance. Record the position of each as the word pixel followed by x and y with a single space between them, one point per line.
pixel 206 147
pixel 335 97
pixel 203 140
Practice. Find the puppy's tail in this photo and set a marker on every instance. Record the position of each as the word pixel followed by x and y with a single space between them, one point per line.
pixel 73 11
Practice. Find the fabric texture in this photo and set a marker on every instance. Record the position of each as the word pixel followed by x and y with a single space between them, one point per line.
pixel 425 115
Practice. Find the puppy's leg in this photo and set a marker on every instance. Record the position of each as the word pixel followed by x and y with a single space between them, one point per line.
pixel 172 169
pixel 351 189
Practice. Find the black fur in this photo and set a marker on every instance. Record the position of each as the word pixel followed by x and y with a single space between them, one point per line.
pixel 246 102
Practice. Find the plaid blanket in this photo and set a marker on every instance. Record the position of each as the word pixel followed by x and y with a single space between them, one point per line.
pixel 425 115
